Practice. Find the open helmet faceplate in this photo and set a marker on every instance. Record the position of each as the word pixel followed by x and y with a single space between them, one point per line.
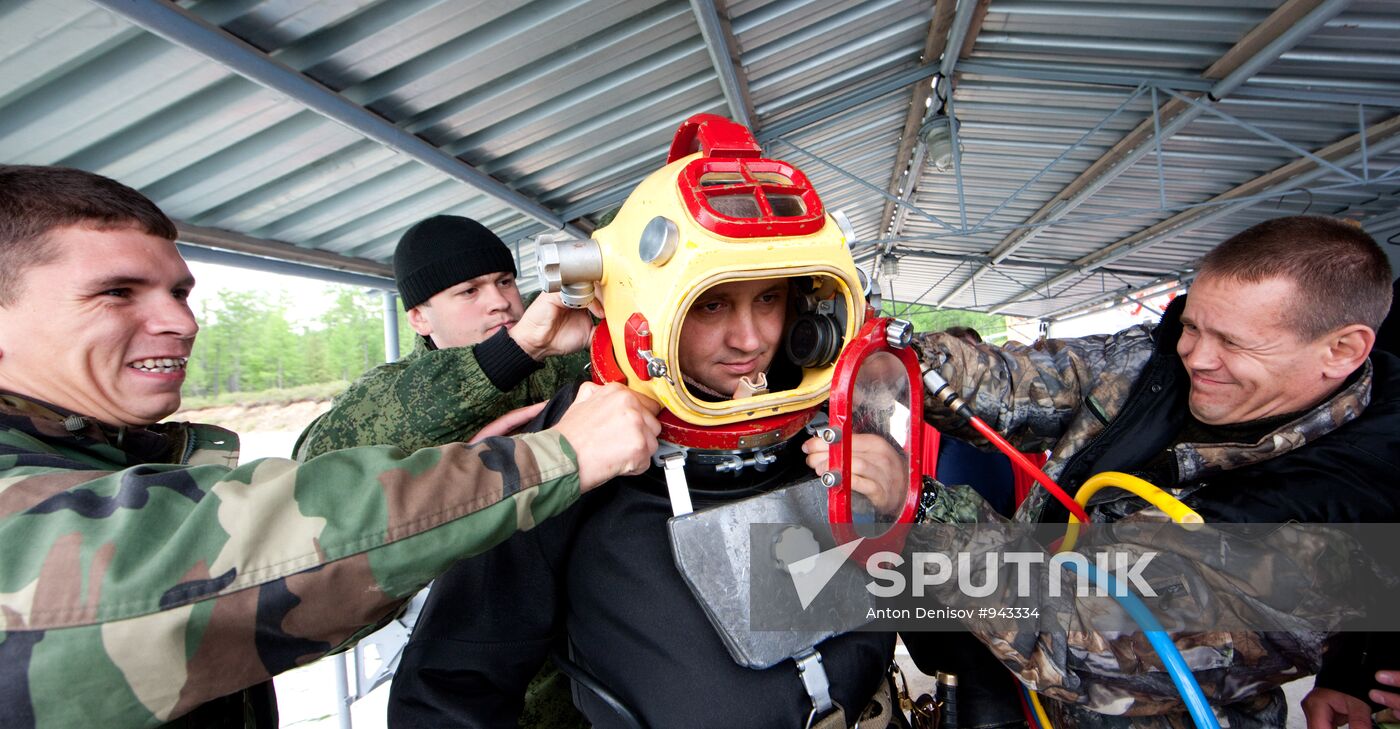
pixel 719 212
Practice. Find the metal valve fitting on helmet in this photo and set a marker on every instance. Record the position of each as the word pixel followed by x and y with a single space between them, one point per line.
pixel 570 267
pixel 899 333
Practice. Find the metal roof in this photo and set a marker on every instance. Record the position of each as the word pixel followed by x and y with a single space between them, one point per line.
pixel 317 131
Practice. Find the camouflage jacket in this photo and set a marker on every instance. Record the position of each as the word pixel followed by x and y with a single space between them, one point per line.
pixel 145 574
pixel 437 396
pixel 1109 403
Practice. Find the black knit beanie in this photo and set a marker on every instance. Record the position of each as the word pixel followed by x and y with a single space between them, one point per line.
pixel 443 251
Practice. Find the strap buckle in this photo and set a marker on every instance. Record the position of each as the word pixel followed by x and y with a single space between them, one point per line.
pixel 673 467
pixel 816 684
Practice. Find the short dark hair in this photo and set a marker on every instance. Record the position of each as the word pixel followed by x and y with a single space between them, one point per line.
pixel 1342 276
pixel 36 200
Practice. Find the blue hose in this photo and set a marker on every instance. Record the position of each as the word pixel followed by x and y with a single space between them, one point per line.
pixel 1028 703
pixel 1175 664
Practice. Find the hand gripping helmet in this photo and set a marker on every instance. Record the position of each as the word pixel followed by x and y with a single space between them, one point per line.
pixel 718 212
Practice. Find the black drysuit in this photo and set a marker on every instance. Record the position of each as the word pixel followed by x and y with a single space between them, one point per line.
pixel 603 575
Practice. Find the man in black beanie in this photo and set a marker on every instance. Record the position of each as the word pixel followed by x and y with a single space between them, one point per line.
pixel 481 354
pixel 457 282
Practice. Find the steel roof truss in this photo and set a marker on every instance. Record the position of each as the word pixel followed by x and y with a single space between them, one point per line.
pixel 1269 40
pixel 719 41
pixel 1290 178
pixel 1253 129
pixel 183 28
pixel 868 185
pixel 1078 144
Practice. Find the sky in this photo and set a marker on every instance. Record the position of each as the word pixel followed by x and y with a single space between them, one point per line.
pixel 1113 320
pixel 309 298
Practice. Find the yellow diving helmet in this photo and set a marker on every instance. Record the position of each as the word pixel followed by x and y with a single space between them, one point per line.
pixel 718 212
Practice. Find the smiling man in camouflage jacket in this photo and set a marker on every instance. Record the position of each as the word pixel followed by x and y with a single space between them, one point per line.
pixel 146 579
pixel 1256 399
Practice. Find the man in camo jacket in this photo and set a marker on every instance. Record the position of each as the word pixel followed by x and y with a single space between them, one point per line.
pixel 146 579
pixel 480 351
pixel 480 354
pixel 1256 399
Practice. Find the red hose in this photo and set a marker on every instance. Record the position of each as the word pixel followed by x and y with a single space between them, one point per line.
pixel 1026 705
pixel 1024 464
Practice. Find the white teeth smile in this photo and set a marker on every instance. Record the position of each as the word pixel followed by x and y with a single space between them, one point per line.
pixel 164 365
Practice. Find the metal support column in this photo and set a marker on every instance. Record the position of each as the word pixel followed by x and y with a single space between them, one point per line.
pixel 391 326
pixel 342 691
pixel 962 21
pixel 957 162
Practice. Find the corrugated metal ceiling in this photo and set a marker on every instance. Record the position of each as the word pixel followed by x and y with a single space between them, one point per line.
pixel 1040 86
pixel 529 116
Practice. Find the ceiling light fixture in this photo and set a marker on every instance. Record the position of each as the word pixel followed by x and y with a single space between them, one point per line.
pixel 937 135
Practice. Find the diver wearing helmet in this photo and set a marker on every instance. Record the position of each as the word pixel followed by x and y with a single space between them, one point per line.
pixel 737 336
pixel 631 622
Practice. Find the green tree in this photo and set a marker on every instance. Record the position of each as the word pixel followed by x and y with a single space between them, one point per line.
pixel 355 333
pixel 926 318
pixel 249 343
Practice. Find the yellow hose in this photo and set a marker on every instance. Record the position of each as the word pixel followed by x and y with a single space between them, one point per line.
pixel 1171 506
pixel 1039 710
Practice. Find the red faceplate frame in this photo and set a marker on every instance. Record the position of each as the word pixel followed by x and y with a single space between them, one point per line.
pixel 870 340
pixel 743 436
pixel 731 437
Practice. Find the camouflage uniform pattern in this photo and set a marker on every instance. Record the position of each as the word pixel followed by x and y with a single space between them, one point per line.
pixel 429 398
pixel 1061 396
pixel 1057 397
pixel 144 574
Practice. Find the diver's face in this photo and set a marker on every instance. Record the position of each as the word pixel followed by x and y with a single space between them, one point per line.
pixel 732 331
